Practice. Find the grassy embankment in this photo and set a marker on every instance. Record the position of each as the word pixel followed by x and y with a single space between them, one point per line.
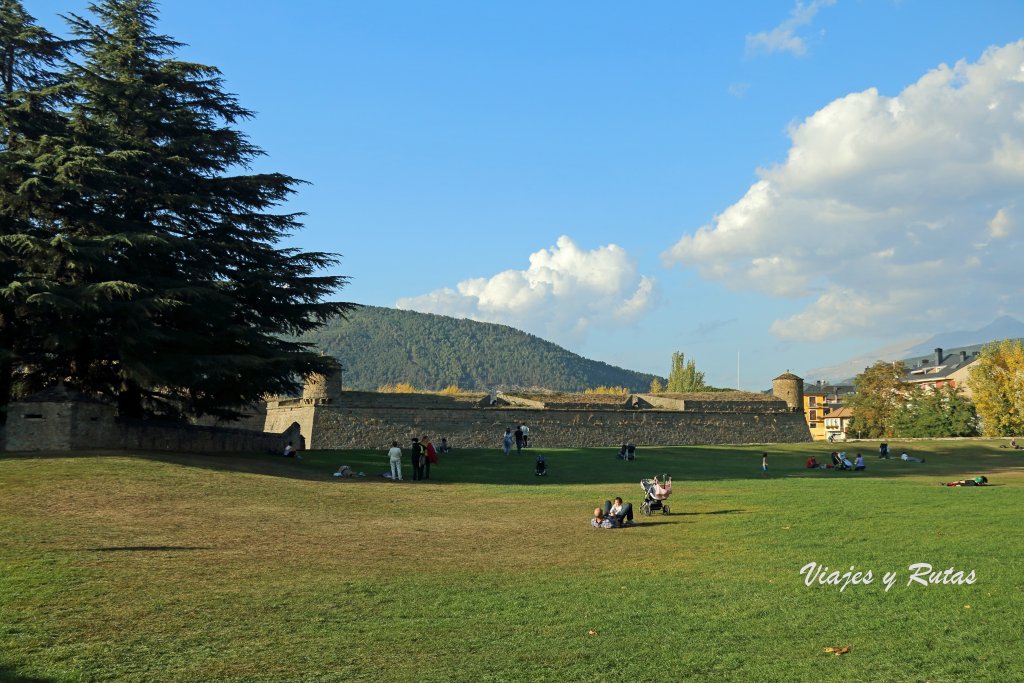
pixel 210 568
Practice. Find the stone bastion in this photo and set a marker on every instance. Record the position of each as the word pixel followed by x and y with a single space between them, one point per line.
pixel 355 419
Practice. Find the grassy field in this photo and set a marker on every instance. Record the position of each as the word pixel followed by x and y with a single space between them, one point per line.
pixel 121 567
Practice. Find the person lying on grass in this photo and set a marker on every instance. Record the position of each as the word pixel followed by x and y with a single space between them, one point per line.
pixel 601 520
pixel 977 481
pixel 613 515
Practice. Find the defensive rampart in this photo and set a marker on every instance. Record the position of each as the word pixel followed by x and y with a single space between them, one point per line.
pixel 364 420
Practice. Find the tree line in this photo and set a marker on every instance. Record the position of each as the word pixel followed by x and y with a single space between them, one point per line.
pixel 139 254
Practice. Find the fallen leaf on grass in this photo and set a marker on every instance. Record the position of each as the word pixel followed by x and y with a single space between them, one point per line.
pixel 967 607
pixel 591 632
pixel 837 650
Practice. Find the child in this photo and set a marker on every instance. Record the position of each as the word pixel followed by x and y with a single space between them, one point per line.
pixel 542 467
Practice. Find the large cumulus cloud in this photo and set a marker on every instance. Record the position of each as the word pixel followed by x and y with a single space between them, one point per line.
pixel 888 212
pixel 564 293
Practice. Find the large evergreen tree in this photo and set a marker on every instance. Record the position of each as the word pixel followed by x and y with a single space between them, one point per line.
pixel 163 284
pixel 30 111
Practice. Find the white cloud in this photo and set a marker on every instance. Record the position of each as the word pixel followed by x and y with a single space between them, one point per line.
pixel 784 38
pixel 1001 225
pixel 888 211
pixel 564 293
pixel 738 90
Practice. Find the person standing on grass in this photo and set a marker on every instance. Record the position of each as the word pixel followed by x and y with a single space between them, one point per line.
pixel 429 456
pixel 395 456
pixel 764 464
pixel 417 459
pixel 526 435
pixel 506 441
pixel 883 450
pixel 519 440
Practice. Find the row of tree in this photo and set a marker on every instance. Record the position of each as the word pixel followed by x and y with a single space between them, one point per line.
pixel 139 255
pixel 885 406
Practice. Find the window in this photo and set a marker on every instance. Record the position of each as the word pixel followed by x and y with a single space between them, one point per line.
pixel 814 425
pixel 812 415
pixel 812 400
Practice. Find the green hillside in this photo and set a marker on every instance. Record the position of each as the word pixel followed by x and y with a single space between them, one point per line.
pixel 380 346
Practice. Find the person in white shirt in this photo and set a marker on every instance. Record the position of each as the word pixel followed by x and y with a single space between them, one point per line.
pixel 909 458
pixel 395 456
pixel 526 436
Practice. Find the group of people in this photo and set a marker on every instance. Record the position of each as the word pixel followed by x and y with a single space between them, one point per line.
pixel 839 462
pixel 614 515
pixel 627 451
pixel 521 438
pixel 423 456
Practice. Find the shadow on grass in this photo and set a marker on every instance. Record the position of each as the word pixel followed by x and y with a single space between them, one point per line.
pixel 713 512
pixel 147 548
pixel 946 459
pixel 12 676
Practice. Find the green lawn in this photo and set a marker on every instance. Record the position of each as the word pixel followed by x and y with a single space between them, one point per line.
pixel 256 568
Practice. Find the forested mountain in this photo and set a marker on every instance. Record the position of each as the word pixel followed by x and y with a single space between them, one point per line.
pixel 380 346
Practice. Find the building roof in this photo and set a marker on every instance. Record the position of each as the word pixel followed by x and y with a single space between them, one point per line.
pixel 845 411
pixel 788 375
pixel 940 364
pixel 823 389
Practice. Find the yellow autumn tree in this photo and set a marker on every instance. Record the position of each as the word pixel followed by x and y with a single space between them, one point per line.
pixel 606 390
pixel 997 387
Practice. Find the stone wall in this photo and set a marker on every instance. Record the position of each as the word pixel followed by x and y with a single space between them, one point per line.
pixel 357 427
pixel 88 425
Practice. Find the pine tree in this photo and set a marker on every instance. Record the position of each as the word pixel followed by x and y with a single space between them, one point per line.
pixel 30 111
pixel 164 285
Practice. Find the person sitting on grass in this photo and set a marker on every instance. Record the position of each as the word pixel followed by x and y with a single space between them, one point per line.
pixel 621 512
pixel 601 520
pixel 977 481
pixel 812 463
pixel 909 458
pixel 858 464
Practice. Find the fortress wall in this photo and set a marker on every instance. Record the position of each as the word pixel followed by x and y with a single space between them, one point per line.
pixel 349 427
pixel 81 425
pixel 281 415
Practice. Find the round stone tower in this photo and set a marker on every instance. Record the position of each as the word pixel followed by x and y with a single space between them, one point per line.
pixel 322 388
pixel 790 389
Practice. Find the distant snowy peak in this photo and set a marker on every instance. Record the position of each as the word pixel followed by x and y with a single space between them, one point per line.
pixel 1004 327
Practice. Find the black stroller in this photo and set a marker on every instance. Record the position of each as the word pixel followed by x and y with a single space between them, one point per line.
pixel 656 492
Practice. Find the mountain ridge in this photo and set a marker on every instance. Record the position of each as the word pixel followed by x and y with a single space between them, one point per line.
pixel 378 346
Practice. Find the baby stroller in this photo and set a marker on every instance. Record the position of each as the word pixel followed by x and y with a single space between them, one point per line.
pixel 656 492
pixel 542 467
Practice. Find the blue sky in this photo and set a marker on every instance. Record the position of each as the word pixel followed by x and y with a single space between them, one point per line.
pixel 764 186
